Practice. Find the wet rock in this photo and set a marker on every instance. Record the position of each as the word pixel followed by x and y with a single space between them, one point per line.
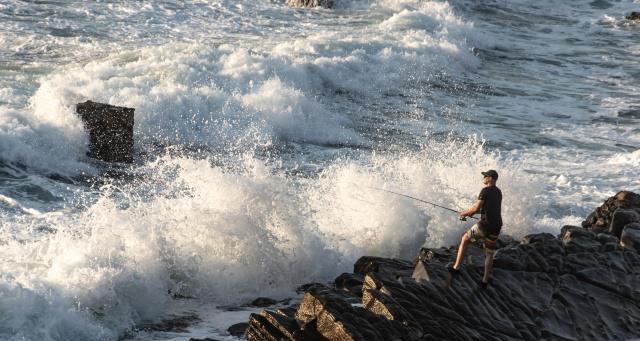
pixel 630 113
pixel 633 16
pixel 110 131
pixel 630 236
pixel 175 323
pixel 621 218
pixel 311 3
pixel 576 239
pixel 280 326
pixel 337 319
pixel 311 287
pixel 263 302
pixel 350 282
pixel 238 329
pixel 368 264
pixel 581 285
pixel 261 329
pixel 205 339
pixel 287 311
pixel 602 216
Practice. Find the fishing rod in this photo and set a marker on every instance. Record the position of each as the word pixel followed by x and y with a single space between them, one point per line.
pixel 424 201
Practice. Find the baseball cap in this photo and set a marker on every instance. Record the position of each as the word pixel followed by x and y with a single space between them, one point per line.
pixel 491 173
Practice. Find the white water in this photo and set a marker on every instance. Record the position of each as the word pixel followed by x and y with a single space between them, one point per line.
pixel 261 132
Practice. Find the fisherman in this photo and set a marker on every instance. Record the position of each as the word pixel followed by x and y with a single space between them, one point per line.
pixel 488 227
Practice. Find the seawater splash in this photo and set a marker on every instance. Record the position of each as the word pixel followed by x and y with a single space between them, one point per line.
pixel 193 229
pixel 239 96
pixel 260 129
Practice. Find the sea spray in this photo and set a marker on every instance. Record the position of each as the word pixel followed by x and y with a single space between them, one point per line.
pixel 190 228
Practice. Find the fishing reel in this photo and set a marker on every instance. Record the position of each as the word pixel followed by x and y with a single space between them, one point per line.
pixel 462 218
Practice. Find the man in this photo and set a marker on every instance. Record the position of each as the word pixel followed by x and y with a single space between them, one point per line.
pixel 487 229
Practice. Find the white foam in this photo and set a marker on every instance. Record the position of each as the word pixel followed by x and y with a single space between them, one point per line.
pixel 625 159
pixel 227 236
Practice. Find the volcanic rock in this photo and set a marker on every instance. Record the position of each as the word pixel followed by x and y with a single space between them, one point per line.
pixel 633 16
pixel 621 218
pixel 311 3
pixel 238 329
pixel 602 218
pixel 630 237
pixel 581 285
pixel 110 131
pixel 263 302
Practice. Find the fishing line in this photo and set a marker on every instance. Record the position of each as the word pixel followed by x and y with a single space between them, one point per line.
pixel 421 200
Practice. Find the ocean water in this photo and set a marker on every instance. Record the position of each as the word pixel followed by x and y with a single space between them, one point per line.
pixel 262 132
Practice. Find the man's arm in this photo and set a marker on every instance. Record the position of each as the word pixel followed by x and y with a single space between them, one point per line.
pixel 473 209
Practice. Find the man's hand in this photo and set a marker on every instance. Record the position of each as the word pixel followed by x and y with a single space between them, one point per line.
pixel 471 210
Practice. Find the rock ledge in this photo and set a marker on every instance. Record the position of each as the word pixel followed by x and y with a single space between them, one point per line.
pixel 581 285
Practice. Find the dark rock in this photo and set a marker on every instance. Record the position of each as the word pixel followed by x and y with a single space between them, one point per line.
pixel 263 302
pixel 337 319
pixel 288 312
pixel 238 329
pixel 311 287
pixel 621 218
pixel 581 286
pixel 633 16
pixel 567 228
pixel 285 325
pixel 628 199
pixel 606 238
pixel 630 237
pixel 577 239
pixel 367 264
pixel 603 215
pixel 110 131
pixel 311 3
pixel 177 324
pixel 350 282
pixel 427 254
pixel 537 238
pixel 261 329
pixel 308 332
pixel 630 113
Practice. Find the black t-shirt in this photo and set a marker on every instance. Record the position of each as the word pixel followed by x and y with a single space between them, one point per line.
pixel 491 217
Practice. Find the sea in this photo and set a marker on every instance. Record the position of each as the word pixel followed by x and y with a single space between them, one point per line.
pixel 267 138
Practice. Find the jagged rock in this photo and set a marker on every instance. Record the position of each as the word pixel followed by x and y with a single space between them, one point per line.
pixel 263 302
pixel 176 323
pixel 288 312
pixel 633 16
pixel 367 264
pixel 261 329
pixel 630 236
pixel 350 282
pixel 311 3
pixel 576 239
pixel 601 218
pixel 635 112
pixel 581 285
pixel 337 319
pixel 238 329
pixel 110 131
pixel 621 217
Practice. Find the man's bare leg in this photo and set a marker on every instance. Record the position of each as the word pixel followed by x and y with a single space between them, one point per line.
pixel 462 249
pixel 488 266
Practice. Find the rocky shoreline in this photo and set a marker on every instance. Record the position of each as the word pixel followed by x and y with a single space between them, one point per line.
pixel 581 285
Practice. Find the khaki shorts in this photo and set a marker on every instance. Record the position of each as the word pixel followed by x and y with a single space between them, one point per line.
pixel 490 241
